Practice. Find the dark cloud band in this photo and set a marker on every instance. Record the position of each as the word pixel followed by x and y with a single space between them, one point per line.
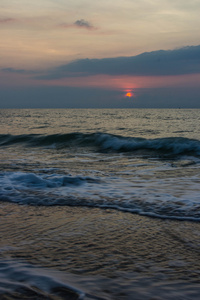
pixel 170 62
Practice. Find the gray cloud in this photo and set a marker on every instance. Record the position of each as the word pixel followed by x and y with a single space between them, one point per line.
pixel 12 70
pixel 18 71
pixel 78 24
pixel 163 62
pixel 83 23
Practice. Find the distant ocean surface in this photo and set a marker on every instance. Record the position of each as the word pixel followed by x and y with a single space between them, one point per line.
pixel 144 162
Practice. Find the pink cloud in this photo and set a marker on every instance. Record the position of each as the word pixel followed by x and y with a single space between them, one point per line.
pixel 7 20
pixel 127 82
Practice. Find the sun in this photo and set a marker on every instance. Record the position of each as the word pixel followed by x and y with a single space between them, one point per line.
pixel 129 94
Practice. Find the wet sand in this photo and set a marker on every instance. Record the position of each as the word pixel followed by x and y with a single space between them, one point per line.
pixel 107 254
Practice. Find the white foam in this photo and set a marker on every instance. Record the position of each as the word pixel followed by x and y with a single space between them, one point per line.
pixel 163 197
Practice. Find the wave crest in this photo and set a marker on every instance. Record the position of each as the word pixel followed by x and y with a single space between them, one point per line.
pixel 106 142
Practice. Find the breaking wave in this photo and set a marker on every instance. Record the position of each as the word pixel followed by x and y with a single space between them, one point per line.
pixel 106 142
pixel 137 196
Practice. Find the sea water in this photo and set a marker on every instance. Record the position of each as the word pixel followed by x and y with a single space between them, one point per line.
pixel 144 162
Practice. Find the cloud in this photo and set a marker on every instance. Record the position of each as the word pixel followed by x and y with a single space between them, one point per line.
pixel 79 24
pixel 83 23
pixel 12 70
pixel 157 63
pixel 18 71
pixel 6 20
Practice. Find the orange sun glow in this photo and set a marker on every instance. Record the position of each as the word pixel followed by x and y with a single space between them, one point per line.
pixel 129 94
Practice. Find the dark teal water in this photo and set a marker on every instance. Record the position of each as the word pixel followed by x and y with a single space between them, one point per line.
pixel 75 185
pixel 141 161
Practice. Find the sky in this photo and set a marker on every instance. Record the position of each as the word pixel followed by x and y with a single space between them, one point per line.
pixel 99 54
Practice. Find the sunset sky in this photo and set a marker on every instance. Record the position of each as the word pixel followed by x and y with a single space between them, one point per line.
pixel 108 53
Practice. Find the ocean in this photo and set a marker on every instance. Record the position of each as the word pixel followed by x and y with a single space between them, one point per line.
pixel 100 204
